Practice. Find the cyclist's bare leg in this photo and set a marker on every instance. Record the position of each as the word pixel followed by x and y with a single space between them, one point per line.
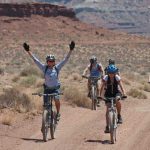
pixel 89 87
pixel 57 104
pixel 98 89
pixel 107 119
pixel 118 105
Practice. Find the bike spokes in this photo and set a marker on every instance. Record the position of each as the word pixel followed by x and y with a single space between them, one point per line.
pixel 45 124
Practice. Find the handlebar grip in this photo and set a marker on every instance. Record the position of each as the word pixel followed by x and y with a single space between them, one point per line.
pixel 123 97
pixel 34 93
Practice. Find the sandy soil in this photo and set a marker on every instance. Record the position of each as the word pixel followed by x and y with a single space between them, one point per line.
pixel 83 129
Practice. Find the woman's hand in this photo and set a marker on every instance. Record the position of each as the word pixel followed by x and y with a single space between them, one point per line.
pixel 26 47
pixel 72 45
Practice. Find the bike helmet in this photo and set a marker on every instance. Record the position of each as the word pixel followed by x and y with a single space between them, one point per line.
pixel 50 58
pixel 112 69
pixel 111 61
pixel 93 59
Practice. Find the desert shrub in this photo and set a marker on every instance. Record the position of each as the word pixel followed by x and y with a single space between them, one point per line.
pixel 131 76
pixel 7 119
pixel 126 81
pixel 30 71
pixel 1 71
pixel 29 80
pixel 146 87
pixel 76 76
pixel 14 98
pixel 73 95
pixel 137 94
pixel 16 78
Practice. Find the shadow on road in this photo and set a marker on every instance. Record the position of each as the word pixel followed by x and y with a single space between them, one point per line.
pixel 98 141
pixel 32 139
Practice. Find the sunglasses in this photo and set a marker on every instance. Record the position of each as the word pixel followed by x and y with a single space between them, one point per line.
pixel 50 61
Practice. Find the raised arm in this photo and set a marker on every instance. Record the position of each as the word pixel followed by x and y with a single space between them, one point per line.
pixel 37 62
pixel 63 62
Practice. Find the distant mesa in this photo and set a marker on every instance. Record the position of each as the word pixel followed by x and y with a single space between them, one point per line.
pixel 29 9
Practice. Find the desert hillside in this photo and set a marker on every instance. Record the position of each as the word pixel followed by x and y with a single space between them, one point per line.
pixel 17 1
pixel 131 16
pixel 79 128
pixel 26 10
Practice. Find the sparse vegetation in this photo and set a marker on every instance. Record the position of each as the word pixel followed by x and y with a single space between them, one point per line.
pixel 146 87
pixel 30 71
pixel 76 77
pixel 126 81
pixel 74 96
pixel 1 71
pixel 14 98
pixel 137 94
pixel 16 78
pixel 7 119
pixel 29 81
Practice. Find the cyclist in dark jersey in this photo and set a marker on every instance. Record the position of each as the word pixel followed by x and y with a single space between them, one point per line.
pixel 111 83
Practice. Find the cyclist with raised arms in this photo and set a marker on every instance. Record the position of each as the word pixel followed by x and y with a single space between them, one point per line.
pixel 51 72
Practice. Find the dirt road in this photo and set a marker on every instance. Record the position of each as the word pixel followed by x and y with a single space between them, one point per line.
pixel 83 129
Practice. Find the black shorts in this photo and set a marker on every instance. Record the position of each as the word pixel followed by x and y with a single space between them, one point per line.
pixel 118 96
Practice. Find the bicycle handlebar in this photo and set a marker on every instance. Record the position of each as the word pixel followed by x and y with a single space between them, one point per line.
pixel 93 77
pixel 104 99
pixel 42 94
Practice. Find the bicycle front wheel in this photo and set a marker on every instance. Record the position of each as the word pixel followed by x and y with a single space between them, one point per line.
pixel 93 97
pixel 53 125
pixel 113 127
pixel 45 125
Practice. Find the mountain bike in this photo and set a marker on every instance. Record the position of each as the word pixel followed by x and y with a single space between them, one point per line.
pixel 112 116
pixel 93 91
pixel 49 120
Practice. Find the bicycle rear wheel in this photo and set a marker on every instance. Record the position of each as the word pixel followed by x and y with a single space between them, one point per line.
pixel 113 127
pixel 53 125
pixel 45 125
pixel 93 97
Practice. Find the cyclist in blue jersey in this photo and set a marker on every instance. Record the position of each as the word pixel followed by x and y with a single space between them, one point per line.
pixel 95 69
pixel 51 71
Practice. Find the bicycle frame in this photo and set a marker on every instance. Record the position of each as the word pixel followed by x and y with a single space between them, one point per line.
pixel 93 90
pixel 93 93
pixel 49 107
pixel 48 117
pixel 112 115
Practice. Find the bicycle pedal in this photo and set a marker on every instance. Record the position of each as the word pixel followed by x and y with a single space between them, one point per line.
pixel 98 105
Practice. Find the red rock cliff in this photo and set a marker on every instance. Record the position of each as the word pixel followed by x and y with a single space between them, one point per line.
pixel 26 10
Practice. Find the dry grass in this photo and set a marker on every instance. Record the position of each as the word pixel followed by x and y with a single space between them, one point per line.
pixel 126 81
pixel 16 78
pixel 73 95
pixel 14 98
pixel 130 76
pixel 137 94
pixel 7 119
pixel 1 71
pixel 29 81
pixel 146 87
pixel 28 71
pixel 76 77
